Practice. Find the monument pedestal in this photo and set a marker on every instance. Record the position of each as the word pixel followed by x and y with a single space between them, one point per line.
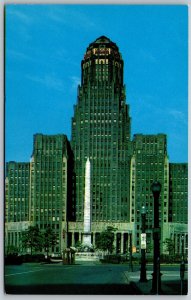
pixel 87 239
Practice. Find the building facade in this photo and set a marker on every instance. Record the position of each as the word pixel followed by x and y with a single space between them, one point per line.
pixel 178 206
pixel 101 132
pixel 17 188
pixel 49 185
pixel 49 191
pixel 149 163
pixel 178 193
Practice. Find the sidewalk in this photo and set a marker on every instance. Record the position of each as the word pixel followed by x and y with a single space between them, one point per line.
pixel 170 282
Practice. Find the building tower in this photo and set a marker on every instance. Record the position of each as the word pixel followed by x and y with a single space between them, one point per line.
pixel 101 131
pixel 49 188
pixel 149 163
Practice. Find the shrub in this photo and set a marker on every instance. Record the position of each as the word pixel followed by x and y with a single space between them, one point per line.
pixel 33 258
pixel 13 259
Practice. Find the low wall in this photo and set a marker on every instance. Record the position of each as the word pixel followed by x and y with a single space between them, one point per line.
pixel 87 256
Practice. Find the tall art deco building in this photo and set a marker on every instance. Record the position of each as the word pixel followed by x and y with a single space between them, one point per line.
pixel 50 190
pixel 101 131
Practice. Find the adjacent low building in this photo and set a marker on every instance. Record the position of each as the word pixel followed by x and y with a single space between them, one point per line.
pixel 17 189
pixel 178 206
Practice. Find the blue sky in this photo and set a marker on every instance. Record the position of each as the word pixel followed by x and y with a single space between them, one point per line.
pixel 44 48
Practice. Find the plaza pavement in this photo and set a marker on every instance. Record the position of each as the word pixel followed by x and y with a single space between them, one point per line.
pixel 170 282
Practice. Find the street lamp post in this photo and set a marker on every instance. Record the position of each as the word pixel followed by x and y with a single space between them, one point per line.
pixel 143 275
pixel 156 282
pixel 182 245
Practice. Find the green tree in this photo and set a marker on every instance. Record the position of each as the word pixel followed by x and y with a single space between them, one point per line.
pixel 170 246
pixel 105 240
pixel 11 249
pixel 78 244
pixel 49 239
pixel 32 239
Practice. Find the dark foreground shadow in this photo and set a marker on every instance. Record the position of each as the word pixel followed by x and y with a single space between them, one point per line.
pixel 73 289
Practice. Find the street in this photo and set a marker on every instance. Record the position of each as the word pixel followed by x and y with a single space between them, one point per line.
pixel 86 279
pixel 68 279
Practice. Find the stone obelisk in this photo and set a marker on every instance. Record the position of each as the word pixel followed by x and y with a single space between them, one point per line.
pixel 87 206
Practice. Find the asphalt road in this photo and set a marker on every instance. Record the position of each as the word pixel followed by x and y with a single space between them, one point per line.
pixel 68 279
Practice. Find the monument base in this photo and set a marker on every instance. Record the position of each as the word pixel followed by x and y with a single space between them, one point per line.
pixel 86 250
pixel 87 245
pixel 87 256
